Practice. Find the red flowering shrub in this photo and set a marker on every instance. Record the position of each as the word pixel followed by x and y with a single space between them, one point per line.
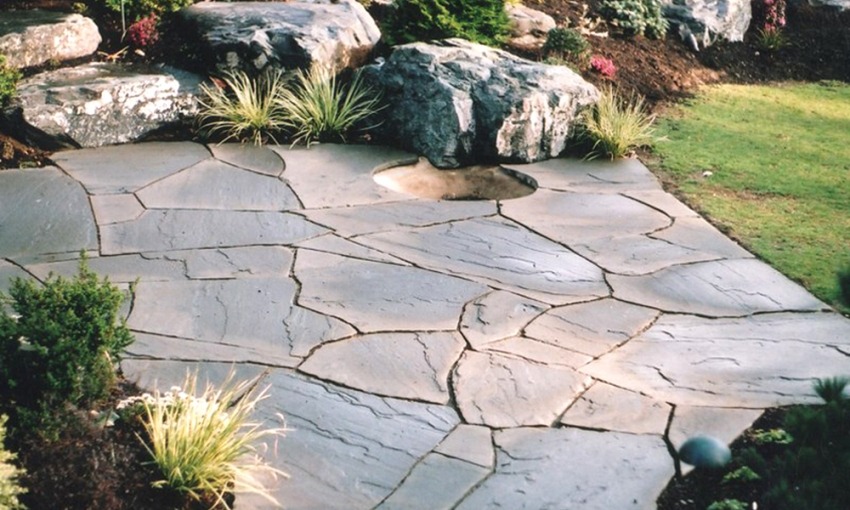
pixel 143 33
pixel 603 66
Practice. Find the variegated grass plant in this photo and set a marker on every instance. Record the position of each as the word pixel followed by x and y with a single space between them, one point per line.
pixel 209 444
pixel 616 125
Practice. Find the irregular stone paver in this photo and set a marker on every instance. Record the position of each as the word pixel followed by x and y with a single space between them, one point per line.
pixel 721 289
pixel 116 208
pixel 499 253
pixel 43 211
pixel 698 234
pixel 759 361
pixel 382 297
pixel 250 157
pixel 346 449
pixel 497 315
pixel 606 407
pixel 572 468
pixel 319 180
pixel 438 482
pixel 334 244
pixel 414 366
pixel 638 254
pixel 365 219
pixel 574 218
pixel 213 184
pixel 159 347
pixel 178 229
pixel 120 269
pixel 540 352
pixel 591 328
pixel 623 175
pixel 127 168
pixel 720 423
pixel 241 262
pixel 501 391
pixel 663 201
pixel 470 443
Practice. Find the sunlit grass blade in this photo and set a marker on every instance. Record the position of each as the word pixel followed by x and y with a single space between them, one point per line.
pixel 617 125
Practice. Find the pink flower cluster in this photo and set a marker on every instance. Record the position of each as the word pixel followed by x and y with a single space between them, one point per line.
pixel 774 15
pixel 604 66
pixel 143 33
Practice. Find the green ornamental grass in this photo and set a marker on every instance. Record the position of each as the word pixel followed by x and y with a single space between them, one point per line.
pixel 209 444
pixel 615 125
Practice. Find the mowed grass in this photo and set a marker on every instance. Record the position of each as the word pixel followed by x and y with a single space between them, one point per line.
pixel 779 157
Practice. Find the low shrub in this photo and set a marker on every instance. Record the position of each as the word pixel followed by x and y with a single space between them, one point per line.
pixel 60 348
pixel 636 17
pixel 242 108
pixel 614 126
pixel 320 107
pixel 482 21
pixel 136 9
pixel 207 445
pixel 144 32
pixel 566 45
pixel 9 474
pixel 9 78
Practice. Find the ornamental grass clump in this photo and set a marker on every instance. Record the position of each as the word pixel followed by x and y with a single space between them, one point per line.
pixel 207 445
pixel 320 107
pixel 615 126
pixel 242 108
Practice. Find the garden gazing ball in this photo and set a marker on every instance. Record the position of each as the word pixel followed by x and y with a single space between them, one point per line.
pixel 705 452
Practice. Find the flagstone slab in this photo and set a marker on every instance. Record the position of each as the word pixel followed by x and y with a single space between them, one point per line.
pixel 159 347
pixel 606 407
pixel 250 157
pixel 469 443
pixel 498 315
pixel 698 234
pixel 579 218
pixel 573 468
pixel 592 328
pixel 599 175
pixel 212 184
pixel 638 254
pixel 382 297
pixel 239 262
pixel 366 219
pixel 499 253
pixel 345 449
pixel 119 269
pixel 755 362
pixel 43 211
pixel 116 208
pixel 663 201
pixel 334 244
pixel 128 168
pixel 413 366
pixel 723 424
pixel 499 391
pixel 339 175
pixel 537 351
pixel 251 313
pixel 436 483
pixel 178 229
pixel 720 288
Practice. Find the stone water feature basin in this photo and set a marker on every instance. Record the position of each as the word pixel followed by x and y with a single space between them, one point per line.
pixel 478 182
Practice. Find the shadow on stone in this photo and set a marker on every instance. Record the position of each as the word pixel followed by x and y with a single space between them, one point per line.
pixel 478 182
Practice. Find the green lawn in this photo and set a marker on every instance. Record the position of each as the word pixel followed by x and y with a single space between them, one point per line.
pixel 779 158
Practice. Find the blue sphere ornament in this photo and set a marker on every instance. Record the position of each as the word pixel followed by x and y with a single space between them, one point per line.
pixel 705 452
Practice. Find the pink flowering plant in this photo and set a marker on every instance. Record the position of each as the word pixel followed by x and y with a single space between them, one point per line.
pixel 603 66
pixel 770 34
pixel 144 33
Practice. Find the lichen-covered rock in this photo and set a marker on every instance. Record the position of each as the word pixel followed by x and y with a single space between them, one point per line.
pixel 702 22
pixel 252 36
pixel 457 102
pixel 31 38
pixel 101 104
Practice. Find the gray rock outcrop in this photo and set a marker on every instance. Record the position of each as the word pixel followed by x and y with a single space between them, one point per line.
pixel 529 27
pixel 841 5
pixel 456 102
pixel 31 38
pixel 101 104
pixel 252 36
pixel 702 22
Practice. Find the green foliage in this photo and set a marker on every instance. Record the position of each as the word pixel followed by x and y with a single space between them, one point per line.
pixel 9 474
pixel 616 125
pixel 771 39
pixel 567 44
pixel 772 436
pixel 728 504
pixel 244 109
pixel 61 348
pixel 9 78
pixel 136 9
pixel 741 474
pixel 320 107
pixel 636 17
pixel 482 21
pixel 831 389
pixel 207 444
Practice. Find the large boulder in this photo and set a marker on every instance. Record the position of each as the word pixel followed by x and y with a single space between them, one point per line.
pixel 457 102
pixel 529 27
pixel 702 22
pixel 31 38
pixel 841 5
pixel 101 104
pixel 254 35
